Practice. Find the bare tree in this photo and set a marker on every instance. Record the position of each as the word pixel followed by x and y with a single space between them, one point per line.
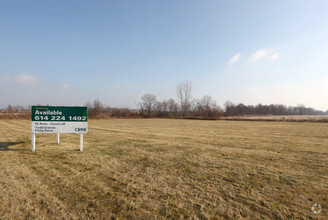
pixel 162 109
pixel 173 108
pixel 206 107
pixel 147 104
pixel 10 108
pixel 97 107
pixel 216 110
pixel 184 95
pixel 229 108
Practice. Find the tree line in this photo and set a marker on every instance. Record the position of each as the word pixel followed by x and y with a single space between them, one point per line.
pixel 183 107
pixel 187 107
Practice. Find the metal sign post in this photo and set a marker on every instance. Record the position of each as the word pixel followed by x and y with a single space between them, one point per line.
pixel 57 138
pixel 59 119
pixel 81 142
pixel 33 142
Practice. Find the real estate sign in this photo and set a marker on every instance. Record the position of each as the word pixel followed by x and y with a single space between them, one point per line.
pixel 59 119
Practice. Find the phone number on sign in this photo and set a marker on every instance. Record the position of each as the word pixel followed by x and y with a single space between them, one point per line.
pixel 60 118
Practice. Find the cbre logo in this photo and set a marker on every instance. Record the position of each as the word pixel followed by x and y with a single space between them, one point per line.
pixel 80 129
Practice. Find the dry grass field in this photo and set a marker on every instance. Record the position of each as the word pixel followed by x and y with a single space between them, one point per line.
pixel 161 168
pixel 288 118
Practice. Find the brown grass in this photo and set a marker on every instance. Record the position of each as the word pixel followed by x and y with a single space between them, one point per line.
pixel 162 168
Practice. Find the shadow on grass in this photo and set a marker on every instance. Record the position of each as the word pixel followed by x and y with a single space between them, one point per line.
pixel 4 146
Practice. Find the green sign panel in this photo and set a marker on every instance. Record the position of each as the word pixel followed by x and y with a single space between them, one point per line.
pixel 59 113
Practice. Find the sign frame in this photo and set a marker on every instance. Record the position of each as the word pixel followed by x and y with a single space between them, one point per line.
pixel 59 119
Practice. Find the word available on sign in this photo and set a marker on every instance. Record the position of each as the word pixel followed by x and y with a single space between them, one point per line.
pixel 59 119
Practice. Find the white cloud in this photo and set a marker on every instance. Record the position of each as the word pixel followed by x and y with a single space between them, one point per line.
pixel 65 86
pixel 274 56
pixel 234 59
pixel 259 55
pixel 254 89
pixel 117 85
pixel 25 79
pixel 21 79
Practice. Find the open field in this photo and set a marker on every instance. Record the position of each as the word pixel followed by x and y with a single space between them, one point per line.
pixel 162 168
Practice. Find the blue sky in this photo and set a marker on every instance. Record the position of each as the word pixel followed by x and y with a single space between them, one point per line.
pixel 70 52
